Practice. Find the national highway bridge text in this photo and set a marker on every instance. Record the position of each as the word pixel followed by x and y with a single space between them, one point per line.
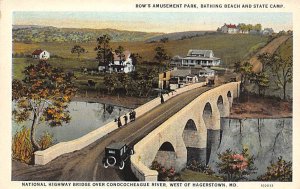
pixel 126 184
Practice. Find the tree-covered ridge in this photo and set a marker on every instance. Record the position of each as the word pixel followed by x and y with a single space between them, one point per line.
pixel 30 34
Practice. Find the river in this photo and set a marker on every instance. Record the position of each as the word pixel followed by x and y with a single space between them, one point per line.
pixel 85 117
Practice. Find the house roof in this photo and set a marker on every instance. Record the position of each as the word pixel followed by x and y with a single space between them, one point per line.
pixel 37 52
pixel 180 72
pixel 231 25
pixel 201 53
pixel 206 70
pixel 200 58
pixel 117 58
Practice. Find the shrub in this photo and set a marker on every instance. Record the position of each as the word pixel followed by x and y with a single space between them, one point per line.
pixel 199 167
pixel 46 140
pixel 278 171
pixel 235 166
pixel 22 149
pixel 165 174
pixel 21 146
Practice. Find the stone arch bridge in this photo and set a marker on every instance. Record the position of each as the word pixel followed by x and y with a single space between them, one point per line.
pixel 193 133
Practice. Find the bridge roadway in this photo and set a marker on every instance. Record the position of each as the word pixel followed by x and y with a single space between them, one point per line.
pixel 86 164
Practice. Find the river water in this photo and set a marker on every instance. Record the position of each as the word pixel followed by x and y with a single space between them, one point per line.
pixel 85 117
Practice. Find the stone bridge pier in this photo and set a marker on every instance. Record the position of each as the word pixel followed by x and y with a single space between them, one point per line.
pixel 193 133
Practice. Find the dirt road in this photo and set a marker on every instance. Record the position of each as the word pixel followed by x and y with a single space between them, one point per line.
pixel 85 164
pixel 269 48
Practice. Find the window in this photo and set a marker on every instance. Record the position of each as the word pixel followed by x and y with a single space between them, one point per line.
pixel 165 74
pixel 111 151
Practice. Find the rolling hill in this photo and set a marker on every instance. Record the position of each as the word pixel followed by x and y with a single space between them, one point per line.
pixel 230 48
pixel 37 34
pixel 180 35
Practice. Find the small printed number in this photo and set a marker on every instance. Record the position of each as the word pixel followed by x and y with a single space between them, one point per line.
pixel 267 185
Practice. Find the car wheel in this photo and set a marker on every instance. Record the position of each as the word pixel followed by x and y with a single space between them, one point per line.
pixel 122 165
pixel 111 161
pixel 105 165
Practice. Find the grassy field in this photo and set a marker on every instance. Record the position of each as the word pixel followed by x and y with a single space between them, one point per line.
pixel 286 49
pixel 229 48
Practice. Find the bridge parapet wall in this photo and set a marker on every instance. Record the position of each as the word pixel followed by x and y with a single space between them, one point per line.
pixel 45 156
pixel 172 130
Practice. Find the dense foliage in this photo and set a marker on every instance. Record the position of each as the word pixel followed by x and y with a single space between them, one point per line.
pixel 165 174
pixel 199 167
pixel 235 166
pixel 22 149
pixel 278 171
pixel 43 94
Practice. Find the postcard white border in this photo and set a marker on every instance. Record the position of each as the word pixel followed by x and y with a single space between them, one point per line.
pixel 8 6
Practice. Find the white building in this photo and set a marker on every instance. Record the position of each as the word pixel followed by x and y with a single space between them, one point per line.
pixel 205 72
pixel 230 28
pixel 268 31
pixel 181 77
pixel 123 65
pixel 195 57
pixel 40 54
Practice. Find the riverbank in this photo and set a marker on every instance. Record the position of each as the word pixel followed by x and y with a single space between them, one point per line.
pixel 255 106
pixel 121 101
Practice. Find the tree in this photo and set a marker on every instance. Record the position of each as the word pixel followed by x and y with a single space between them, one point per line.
pixel 235 166
pixel 249 27
pixel 78 50
pixel 138 83
pixel 266 60
pixel 120 53
pixel 104 52
pixel 243 27
pixel 135 57
pixel 246 70
pixel 125 81
pixel 111 82
pixel 152 74
pixel 43 94
pixel 282 70
pixel 161 56
pixel 262 81
pixel 257 27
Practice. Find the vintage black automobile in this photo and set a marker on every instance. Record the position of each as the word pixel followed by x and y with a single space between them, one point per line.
pixel 116 155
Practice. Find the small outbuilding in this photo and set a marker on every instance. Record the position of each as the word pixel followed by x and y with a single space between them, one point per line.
pixel 41 54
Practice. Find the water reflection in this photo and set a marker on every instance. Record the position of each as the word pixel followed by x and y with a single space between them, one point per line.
pixel 85 117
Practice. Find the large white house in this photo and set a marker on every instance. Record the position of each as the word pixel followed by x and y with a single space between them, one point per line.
pixel 197 57
pixel 40 54
pixel 123 65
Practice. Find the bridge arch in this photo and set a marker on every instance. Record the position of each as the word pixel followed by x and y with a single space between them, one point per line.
pixel 166 155
pixel 211 118
pixel 207 115
pixel 193 140
pixel 221 106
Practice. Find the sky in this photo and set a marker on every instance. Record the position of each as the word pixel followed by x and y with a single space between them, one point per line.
pixel 165 22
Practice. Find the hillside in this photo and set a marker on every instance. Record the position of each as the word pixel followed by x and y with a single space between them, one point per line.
pixel 229 48
pixel 34 34
pixel 269 48
pixel 180 35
